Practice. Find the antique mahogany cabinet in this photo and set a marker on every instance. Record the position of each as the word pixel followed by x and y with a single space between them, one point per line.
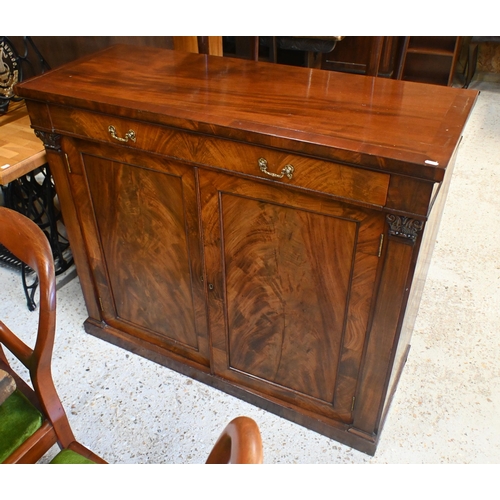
pixel 265 229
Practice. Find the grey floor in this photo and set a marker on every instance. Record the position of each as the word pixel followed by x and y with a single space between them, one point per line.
pixel 446 409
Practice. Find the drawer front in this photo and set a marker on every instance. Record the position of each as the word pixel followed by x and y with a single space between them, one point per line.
pixel 275 166
pixel 309 173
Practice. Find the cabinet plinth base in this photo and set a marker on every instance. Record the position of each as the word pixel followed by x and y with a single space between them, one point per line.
pixel 344 434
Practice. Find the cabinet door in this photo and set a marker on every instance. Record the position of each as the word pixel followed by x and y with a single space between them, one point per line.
pixel 291 279
pixel 139 219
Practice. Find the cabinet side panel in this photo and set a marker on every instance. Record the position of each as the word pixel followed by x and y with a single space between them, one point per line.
pixel 425 250
pixel 382 336
pixel 58 169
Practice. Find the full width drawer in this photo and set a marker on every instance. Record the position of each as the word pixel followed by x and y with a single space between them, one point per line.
pixel 272 165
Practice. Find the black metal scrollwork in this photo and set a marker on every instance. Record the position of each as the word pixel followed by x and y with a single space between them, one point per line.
pixel 34 195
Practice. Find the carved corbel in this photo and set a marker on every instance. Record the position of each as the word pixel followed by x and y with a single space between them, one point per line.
pixel 404 227
pixel 50 140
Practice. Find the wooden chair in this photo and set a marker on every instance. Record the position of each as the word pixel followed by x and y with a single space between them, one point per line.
pixel 211 45
pixel 33 419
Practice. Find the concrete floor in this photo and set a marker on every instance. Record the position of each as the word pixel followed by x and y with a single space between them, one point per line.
pixel 446 409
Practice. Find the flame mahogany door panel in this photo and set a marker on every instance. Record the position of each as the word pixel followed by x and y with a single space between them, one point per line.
pixel 291 279
pixel 140 224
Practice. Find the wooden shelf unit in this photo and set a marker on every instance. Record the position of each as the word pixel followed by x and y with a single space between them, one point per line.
pixel 429 59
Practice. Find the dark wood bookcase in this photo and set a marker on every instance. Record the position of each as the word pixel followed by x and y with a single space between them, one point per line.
pixel 429 59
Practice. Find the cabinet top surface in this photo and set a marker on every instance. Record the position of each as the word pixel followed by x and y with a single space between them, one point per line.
pixel 378 122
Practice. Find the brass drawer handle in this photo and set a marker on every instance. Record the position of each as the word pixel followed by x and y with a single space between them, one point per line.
pixel 286 170
pixel 129 135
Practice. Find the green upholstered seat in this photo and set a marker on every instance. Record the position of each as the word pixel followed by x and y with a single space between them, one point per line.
pixel 70 457
pixel 19 420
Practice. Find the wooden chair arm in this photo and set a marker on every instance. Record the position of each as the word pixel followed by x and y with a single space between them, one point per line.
pixel 239 443
pixel 15 345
